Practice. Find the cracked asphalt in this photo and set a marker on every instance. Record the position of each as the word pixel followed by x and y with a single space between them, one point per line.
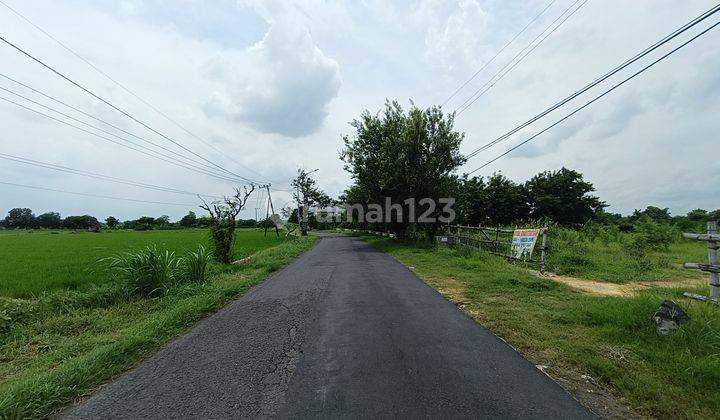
pixel 343 331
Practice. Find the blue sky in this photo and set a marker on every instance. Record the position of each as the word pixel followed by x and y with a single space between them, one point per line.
pixel 274 84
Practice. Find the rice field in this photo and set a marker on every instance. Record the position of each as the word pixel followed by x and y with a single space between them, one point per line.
pixel 32 262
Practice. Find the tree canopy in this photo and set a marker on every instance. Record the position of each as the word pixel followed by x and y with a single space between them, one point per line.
pixel 20 218
pixel 562 196
pixel 401 156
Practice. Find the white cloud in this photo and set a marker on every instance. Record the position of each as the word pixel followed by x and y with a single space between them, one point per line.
pixel 457 41
pixel 281 85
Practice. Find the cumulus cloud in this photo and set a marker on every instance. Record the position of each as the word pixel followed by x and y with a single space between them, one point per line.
pixel 282 85
pixel 456 40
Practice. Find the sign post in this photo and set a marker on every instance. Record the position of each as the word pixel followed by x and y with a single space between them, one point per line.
pixel 543 248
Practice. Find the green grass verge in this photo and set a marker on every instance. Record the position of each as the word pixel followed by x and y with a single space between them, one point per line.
pixel 32 262
pixel 64 344
pixel 611 339
pixel 617 259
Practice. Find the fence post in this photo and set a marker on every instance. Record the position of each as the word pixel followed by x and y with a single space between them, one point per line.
pixel 542 250
pixel 496 244
pixel 713 260
pixel 712 239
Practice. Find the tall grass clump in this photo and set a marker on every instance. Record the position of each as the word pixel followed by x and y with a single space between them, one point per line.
pixel 144 272
pixel 195 265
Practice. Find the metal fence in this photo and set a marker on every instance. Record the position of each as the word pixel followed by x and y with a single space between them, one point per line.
pixel 494 240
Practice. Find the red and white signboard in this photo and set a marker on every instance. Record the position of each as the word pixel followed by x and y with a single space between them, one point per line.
pixel 523 243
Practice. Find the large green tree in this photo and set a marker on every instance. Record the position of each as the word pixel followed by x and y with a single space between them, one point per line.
pixel 50 220
pixel 309 197
pixel 471 201
pixel 495 202
pixel 81 222
pixel 505 201
pixel 562 196
pixel 112 222
pixel 189 220
pixel 401 156
pixel 655 213
pixel 20 218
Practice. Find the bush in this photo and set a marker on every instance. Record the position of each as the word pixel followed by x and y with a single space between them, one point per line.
pixel 222 236
pixel 150 270
pixel 653 235
pixel 144 272
pixel 195 265
pixel 606 234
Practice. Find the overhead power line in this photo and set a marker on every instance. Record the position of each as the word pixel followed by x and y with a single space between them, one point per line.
pixel 96 175
pixel 487 63
pixel 600 79
pixel 187 161
pixel 126 89
pixel 596 98
pixel 35 187
pixel 510 65
pixel 118 109
pixel 139 148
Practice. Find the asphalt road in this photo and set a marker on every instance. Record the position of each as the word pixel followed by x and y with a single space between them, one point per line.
pixel 344 331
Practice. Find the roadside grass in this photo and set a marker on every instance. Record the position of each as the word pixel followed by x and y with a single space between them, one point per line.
pixel 612 339
pixel 64 344
pixel 618 258
pixel 32 262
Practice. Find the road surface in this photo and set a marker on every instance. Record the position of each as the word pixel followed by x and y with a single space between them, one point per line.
pixel 344 331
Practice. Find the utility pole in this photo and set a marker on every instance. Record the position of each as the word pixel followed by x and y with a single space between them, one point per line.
pixel 269 208
pixel 299 211
pixel 277 232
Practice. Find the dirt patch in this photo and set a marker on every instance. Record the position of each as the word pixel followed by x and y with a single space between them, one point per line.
pixel 602 288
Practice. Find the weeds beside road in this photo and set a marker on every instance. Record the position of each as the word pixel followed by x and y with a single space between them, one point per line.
pixel 603 253
pixel 611 339
pixel 64 344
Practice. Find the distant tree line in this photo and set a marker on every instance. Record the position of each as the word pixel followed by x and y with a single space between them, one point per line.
pixel 24 218
pixel 561 197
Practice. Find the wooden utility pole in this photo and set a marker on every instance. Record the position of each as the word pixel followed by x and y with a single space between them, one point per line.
pixel 712 238
pixel 269 208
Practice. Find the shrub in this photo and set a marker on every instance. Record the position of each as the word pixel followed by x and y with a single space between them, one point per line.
pixel 146 271
pixel 606 234
pixel 195 265
pixel 222 236
pixel 653 235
